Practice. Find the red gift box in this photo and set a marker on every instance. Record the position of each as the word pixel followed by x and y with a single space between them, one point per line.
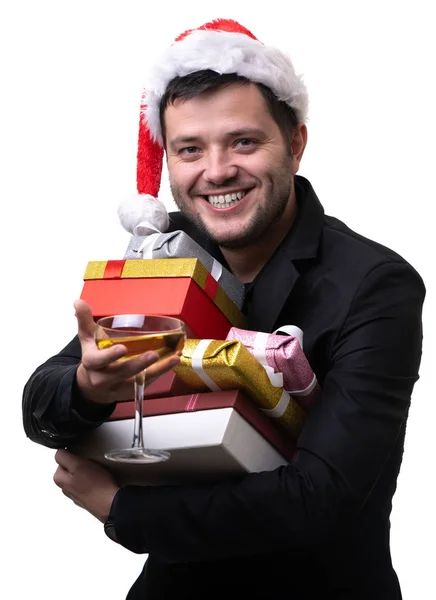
pixel 168 384
pixel 210 436
pixel 179 287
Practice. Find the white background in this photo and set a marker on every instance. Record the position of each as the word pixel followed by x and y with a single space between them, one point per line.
pixel 71 77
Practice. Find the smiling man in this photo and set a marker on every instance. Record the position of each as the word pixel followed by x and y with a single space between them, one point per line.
pixel 230 114
pixel 232 176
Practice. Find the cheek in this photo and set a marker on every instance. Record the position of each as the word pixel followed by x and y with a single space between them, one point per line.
pixel 184 175
pixel 259 165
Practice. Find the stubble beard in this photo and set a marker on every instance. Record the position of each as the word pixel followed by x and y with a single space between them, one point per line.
pixel 277 193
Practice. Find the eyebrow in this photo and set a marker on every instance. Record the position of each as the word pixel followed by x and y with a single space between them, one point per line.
pixel 183 139
pixel 246 131
pixel 192 139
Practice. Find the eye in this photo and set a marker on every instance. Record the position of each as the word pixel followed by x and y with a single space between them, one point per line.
pixel 188 150
pixel 245 143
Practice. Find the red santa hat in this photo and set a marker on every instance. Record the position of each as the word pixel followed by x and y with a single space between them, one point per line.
pixel 223 46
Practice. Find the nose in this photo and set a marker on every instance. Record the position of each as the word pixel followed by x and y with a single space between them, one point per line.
pixel 219 167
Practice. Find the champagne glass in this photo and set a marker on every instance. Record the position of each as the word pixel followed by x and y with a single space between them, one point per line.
pixel 140 333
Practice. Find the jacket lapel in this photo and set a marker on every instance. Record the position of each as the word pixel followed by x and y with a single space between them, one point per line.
pixel 273 287
pixel 275 282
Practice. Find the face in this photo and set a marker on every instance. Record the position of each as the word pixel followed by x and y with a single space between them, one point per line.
pixel 230 172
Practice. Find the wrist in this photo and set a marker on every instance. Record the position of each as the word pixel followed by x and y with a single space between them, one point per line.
pixel 84 388
pixel 88 409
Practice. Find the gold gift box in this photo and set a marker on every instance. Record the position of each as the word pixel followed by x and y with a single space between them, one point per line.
pixel 213 365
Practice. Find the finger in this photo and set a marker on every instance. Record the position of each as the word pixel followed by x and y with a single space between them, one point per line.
pixel 95 359
pixel 85 322
pixel 106 383
pixel 125 371
pixel 119 378
pixel 111 369
pixel 61 476
pixel 156 370
pixel 133 366
pixel 70 462
pixel 86 332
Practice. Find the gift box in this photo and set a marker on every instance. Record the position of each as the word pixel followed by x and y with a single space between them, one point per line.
pixel 168 384
pixel 178 287
pixel 215 365
pixel 283 354
pixel 210 436
pixel 177 244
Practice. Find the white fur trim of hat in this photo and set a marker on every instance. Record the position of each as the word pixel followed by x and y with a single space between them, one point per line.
pixel 223 46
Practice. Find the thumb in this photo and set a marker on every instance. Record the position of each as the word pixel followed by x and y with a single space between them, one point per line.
pixel 85 321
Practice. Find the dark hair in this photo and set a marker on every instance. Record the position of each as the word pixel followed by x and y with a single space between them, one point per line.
pixel 200 82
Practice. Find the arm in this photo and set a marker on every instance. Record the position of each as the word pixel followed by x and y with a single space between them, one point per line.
pixel 343 448
pixel 54 409
pixel 77 389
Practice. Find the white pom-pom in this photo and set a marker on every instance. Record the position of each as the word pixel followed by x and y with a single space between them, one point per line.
pixel 142 214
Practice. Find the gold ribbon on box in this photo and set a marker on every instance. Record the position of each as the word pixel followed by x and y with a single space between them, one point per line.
pixel 167 267
pixel 214 365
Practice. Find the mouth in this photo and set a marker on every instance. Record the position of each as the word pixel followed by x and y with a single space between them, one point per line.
pixel 226 200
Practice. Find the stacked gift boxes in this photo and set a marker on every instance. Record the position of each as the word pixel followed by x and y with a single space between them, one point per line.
pixel 178 287
pixel 210 436
pixel 222 411
pixel 226 365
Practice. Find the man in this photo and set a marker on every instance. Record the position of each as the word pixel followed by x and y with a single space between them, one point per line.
pixel 318 527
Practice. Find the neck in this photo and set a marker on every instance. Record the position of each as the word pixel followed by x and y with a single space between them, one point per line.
pixel 245 263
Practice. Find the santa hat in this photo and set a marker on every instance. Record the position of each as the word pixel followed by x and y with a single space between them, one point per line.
pixel 223 46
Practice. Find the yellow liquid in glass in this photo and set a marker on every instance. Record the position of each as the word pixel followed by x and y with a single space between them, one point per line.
pixel 163 343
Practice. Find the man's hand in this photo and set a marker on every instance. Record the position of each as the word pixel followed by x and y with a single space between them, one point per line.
pixel 89 485
pixel 101 376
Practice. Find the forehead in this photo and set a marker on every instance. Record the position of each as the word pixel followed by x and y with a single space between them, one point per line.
pixel 235 106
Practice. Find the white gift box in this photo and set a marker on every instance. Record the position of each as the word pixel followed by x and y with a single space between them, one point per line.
pixel 206 441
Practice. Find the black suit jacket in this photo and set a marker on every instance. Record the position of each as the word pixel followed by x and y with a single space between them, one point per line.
pixel 318 527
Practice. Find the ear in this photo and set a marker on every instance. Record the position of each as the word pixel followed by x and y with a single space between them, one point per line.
pixel 299 141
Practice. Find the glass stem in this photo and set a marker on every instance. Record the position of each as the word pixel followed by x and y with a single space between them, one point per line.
pixel 138 441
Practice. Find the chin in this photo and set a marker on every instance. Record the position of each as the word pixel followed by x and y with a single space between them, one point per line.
pixel 235 241
pixel 231 244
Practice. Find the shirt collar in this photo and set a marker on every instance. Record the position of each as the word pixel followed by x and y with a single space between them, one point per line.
pixel 304 237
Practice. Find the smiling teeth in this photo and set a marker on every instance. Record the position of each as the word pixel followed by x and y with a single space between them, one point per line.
pixel 225 201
